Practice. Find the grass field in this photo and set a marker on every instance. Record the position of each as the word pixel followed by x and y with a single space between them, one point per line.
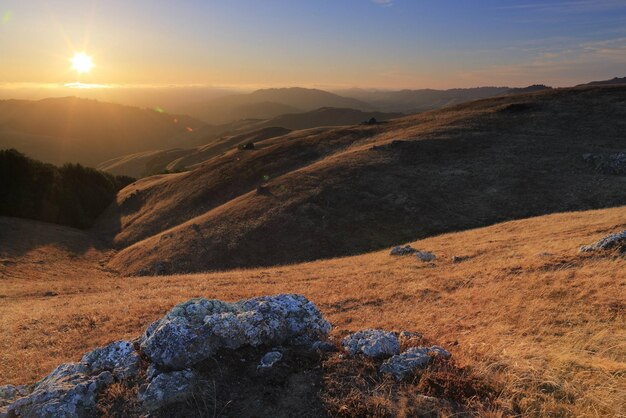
pixel 543 323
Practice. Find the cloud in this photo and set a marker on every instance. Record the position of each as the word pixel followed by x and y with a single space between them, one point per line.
pixel 383 3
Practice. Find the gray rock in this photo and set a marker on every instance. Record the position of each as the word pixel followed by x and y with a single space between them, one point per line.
pixel 120 358
pixel 270 359
pixel 68 392
pixel 400 250
pixel 195 330
pixel 374 343
pixel 403 365
pixel 617 240
pixel 425 256
pixel 168 388
pixel 460 258
pixel 8 393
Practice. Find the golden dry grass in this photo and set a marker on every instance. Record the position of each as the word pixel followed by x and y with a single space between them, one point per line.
pixel 544 323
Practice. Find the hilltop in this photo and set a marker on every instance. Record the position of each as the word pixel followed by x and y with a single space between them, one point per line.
pixel 523 310
pixel 292 198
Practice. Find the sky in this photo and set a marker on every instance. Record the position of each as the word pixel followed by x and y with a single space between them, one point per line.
pixel 387 44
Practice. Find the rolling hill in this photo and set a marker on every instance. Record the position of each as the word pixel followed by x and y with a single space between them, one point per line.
pixel 154 162
pixel 414 101
pixel 293 197
pixel 269 103
pixel 70 129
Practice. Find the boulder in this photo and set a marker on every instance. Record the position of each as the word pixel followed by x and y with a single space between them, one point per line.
pixel 373 343
pixel 168 388
pixel 405 364
pixel 70 391
pixel 119 358
pixel 612 241
pixel 197 329
pixel 400 250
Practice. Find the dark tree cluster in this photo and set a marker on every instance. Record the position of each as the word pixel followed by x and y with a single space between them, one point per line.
pixel 69 195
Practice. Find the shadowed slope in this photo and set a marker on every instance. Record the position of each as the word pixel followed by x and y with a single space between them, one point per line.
pixel 457 168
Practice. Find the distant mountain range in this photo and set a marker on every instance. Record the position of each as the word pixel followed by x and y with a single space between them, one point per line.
pixel 70 129
pixel 269 103
pixel 615 80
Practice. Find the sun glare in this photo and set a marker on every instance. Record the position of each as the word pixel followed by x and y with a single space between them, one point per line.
pixel 81 62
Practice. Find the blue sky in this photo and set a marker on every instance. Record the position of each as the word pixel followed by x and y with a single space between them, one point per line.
pixel 324 43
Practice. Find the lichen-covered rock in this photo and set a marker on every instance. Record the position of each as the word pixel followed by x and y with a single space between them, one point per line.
pixel 425 256
pixel 120 358
pixel 402 250
pixel 402 365
pixel 8 393
pixel 269 359
pixel 617 240
pixel 374 343
pixel 168 388
pixel 68 392
pixel 194 331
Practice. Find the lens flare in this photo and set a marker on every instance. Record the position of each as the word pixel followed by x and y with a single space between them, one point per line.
pixel 82 62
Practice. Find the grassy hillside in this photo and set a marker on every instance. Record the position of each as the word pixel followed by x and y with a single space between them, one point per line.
pixel 328 116
pixel 70 195
pixel 153 162
pixel 180 159
pixel 541 322
pixel 68 129
pixel 292 198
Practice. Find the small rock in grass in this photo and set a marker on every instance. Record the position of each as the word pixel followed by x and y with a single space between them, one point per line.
pixel 373 343
pixel 270 359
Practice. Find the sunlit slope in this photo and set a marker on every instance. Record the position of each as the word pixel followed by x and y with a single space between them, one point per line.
pixel 180 159
pixel 327 193
pixel 527 311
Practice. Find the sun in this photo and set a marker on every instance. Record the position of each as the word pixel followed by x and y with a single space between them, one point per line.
pixel 82 62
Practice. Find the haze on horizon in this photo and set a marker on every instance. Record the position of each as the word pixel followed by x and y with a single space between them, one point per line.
pixel 390 44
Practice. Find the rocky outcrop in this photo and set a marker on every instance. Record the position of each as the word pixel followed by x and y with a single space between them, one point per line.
pixel 188 334
pixel 197 329
pixel 170 362
pixel 610 242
